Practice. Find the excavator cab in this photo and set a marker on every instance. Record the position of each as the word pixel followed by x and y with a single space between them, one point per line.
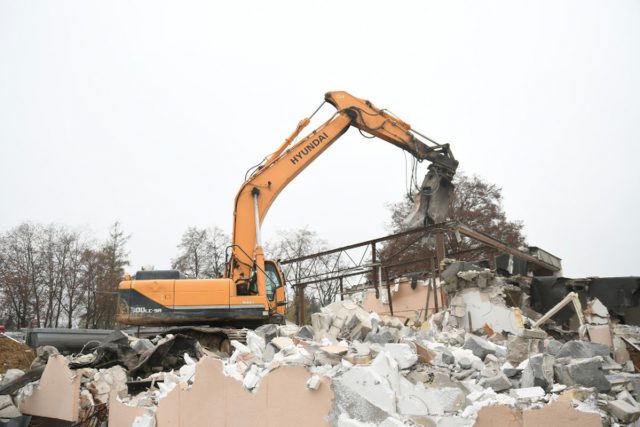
pixel 275 286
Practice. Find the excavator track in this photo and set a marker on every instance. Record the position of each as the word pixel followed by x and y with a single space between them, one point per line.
pixel 212 338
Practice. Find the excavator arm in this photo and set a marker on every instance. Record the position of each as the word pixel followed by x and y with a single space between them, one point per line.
pixel 260 189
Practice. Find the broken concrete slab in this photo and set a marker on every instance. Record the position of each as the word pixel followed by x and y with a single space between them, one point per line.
pixel 383 336
pixel 498 382
pixel 268 331
pixel 7 408
pixel 479 346
pixel 10 375
pixel 624 411
pixel 486 306
pixel 519 348
pixel 600 334
pixel 584 372
pixel 282 342
pixel 538 371
pixel 306 333
pixel 582 349
pixel 527 393
pixel 403 354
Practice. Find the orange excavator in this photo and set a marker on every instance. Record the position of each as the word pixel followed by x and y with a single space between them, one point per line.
pixel 252 291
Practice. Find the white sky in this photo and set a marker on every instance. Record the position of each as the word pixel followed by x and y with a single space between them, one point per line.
pixel 150 112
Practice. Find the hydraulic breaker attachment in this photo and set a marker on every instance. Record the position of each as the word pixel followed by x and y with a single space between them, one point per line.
pixel 431 203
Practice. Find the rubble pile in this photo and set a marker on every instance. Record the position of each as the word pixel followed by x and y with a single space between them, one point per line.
pixel 479 362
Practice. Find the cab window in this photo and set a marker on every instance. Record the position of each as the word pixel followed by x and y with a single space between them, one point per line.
pixel 273 280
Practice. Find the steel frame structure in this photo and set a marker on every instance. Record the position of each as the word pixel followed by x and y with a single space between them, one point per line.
pixel 360 261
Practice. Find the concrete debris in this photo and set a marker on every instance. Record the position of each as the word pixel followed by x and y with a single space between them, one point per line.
pixel 527 393
pixel 477 362
pixel 624 411
pixel 7 408
pixel 538 371
pixel 583 372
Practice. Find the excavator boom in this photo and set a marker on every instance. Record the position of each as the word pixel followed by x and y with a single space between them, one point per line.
pixel 260 190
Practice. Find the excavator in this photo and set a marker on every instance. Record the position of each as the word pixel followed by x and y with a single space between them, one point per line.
pixel 252 291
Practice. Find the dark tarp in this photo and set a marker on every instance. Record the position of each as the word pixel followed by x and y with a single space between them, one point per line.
pixel 619 294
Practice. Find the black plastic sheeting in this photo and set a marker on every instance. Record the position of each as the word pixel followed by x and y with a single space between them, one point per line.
pixel 618 294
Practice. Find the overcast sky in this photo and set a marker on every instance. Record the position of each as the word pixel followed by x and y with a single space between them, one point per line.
pixel 150 112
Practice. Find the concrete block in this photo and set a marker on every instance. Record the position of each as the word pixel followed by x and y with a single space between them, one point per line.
pixel 479 346
pixel 10 375
pixel 383 336
pixel 464 363
pixel 268 331
pixel 402 354
pixel 584 372
pixel 7 408
pixel 288 330
pixel 527 393
pixel 498 383
pixel 314 382
pixel 448 358
pixel 538 372
pixel 582 349
pixel 519 348
pixel 552 347
pixel 306 333
pixel 372 386
pixel 282 342
pixel 623 411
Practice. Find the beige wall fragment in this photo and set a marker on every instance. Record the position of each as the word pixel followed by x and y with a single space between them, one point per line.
pixel 214 399
pixel 557 414
pixel 405 302
pixel 560 414
pixel 57 394
pixel 498 416
pixel 121 415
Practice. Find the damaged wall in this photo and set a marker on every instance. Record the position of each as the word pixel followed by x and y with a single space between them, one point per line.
pixel 58 393
pixel 216 399
pixel 407 302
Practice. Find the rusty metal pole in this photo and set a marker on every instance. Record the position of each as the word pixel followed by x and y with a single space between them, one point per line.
pixel 341 290
pixel 375 270
pixel 493 266
pixel 440 249
pixel 301 305
pixel 426 307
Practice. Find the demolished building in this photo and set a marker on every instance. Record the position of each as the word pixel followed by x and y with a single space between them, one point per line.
pixel 461 346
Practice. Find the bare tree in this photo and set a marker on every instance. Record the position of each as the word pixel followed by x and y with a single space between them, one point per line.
pixel 70 298
pixel 21 272
pixel 202 252
pixel 49 275
pixel 476 203
pixel 113 259
pixel 297 243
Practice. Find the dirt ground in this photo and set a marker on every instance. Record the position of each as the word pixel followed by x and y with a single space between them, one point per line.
pixel 14 355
